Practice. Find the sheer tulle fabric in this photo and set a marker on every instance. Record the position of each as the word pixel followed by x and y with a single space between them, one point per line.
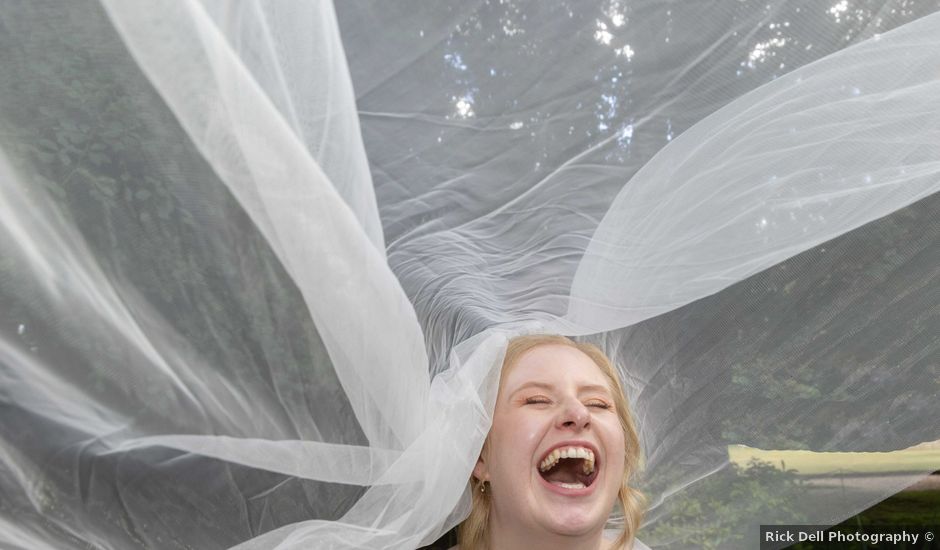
pixel 246 306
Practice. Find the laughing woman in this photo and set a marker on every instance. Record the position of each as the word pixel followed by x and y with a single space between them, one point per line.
pixel 560 454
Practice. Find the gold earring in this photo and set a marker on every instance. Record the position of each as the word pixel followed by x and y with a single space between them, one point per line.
pixel 483 487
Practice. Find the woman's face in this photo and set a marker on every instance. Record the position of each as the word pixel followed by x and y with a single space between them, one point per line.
pixel 553 402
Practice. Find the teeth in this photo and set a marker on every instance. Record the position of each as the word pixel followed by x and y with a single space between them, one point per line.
pixel 577 485
pixel 588 467
pixel 569 452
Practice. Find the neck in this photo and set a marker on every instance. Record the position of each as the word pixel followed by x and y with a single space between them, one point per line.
pixel 509 537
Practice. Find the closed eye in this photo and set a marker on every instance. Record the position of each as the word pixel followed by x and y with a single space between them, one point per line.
pixel 599 404
pixel 536 400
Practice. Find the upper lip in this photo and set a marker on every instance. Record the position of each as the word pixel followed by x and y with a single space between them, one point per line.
pixel 572 443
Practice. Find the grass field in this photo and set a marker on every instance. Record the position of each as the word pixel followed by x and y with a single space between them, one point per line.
pixel 921 459
pixel 912 508
pixel 908 509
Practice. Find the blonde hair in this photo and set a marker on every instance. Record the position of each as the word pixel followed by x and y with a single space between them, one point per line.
pixel 473 532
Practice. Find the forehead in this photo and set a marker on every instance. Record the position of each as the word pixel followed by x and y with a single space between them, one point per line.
pixel 554 364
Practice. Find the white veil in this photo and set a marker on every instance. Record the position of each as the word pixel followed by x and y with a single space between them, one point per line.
pixel 246 306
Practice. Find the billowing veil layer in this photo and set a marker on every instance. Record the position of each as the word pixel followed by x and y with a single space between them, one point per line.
pixel 244 305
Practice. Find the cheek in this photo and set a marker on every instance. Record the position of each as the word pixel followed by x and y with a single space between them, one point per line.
pixel 514 441
pixel 615 446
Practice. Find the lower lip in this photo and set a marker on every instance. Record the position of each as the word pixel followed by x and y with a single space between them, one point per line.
pixel 569 492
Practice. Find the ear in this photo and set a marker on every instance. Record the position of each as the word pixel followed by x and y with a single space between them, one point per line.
pixel 480 471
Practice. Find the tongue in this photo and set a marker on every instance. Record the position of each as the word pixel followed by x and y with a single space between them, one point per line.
pixel 566 471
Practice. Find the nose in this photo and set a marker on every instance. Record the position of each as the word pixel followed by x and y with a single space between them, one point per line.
pixel 574 415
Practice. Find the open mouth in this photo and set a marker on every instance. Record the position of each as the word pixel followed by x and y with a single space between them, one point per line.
pixel 569 467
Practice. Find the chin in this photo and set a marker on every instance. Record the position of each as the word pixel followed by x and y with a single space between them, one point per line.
pixel 573 521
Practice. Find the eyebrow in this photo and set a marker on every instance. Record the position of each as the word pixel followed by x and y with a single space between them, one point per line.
pixel 549 387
